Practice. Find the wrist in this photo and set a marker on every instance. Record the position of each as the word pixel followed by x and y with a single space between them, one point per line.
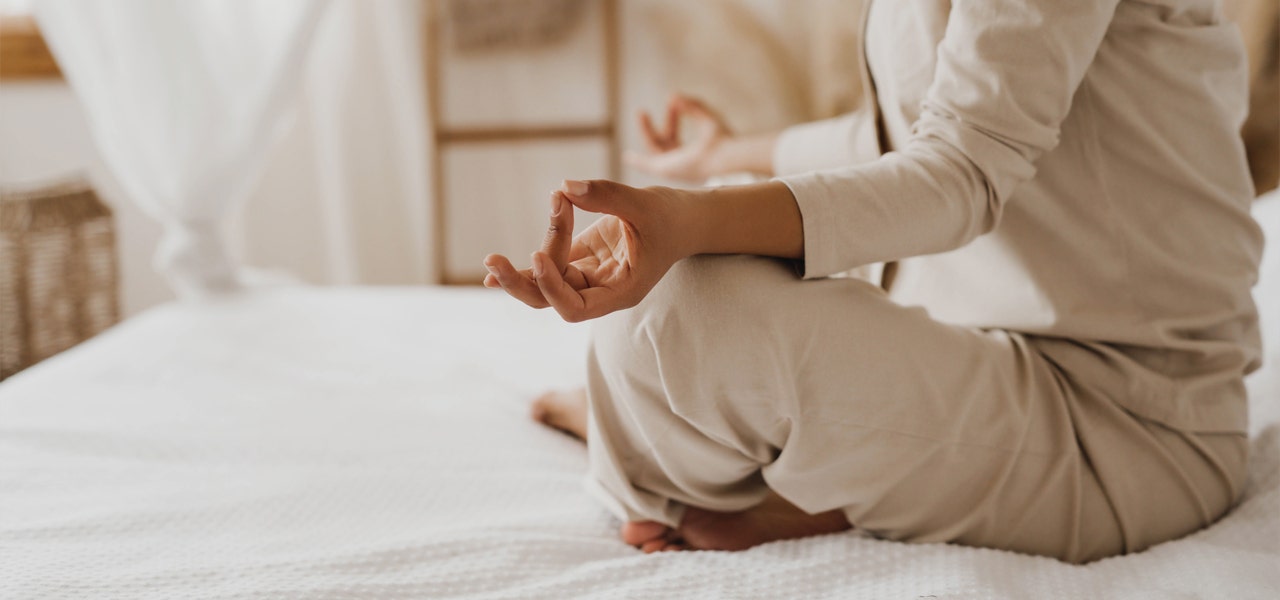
pixel 688 220
pixel 760 218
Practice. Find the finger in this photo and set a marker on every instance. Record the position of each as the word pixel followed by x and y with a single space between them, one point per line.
pixel 491 281
pixel 517 285
pixel 575 305
pixel 699 109
pixel 668 165
pixel 675 165
pixel 603 196
pixel 525 273
pixel 672 131
pixel 691 105
pixel 648 163
pixel 566 300
pixel 652 546
pixel 575 278
pixel 579 252
pixel 651 138
pixel 559 236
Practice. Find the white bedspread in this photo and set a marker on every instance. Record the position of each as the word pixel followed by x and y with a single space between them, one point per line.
pixel 360 443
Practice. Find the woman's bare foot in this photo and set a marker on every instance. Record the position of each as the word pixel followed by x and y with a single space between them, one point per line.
pixel 772 520
pixel 564 410
pixel 651 537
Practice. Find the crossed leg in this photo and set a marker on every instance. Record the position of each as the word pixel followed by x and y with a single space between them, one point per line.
pixel 735 381
pixel 738 405
pixel 772 520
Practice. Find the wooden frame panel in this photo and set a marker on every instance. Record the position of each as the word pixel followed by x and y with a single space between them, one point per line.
pixel 23 52
pixel 443 135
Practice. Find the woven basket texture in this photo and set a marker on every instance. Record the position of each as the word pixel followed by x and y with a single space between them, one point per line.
pixel 59 280
pixel 477 25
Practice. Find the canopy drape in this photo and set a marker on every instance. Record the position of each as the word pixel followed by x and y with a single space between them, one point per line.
pixel 185 100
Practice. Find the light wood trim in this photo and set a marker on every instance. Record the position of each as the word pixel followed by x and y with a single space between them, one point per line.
pixel 613 85
pixel 515 134
pixel 23 53
pixel 442 136
pixel 468 280
pixel 434 98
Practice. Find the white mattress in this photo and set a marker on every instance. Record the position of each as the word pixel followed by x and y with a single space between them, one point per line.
pixel 362 443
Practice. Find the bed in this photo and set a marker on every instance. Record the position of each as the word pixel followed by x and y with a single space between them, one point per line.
pixel 302 442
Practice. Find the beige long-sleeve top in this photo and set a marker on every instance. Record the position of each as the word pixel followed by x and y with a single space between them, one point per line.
pixel 1067 169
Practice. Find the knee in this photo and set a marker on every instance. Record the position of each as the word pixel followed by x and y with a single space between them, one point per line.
pixel 708 315
pixel 707 332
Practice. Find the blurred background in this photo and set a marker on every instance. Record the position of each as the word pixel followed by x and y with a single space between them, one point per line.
pixel 427 133
pixel 151 148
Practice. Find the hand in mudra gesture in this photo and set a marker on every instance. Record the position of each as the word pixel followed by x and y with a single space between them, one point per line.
pixel 611 265
pixel 692 160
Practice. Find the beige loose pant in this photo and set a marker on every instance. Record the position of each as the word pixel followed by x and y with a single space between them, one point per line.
pixel 734 377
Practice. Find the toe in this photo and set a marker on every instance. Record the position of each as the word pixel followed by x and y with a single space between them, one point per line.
pixel 652 546
pixel 540 410
pixel 637 533
pixel 566 411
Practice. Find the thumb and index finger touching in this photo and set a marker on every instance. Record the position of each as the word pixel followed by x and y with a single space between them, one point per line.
pixel 556 245
pixel 559 236
pixel 600 196
pixel 678 105
pixel 573 298
pixel 596 196
pixel 538 286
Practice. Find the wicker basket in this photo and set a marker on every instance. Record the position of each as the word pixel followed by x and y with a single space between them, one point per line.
pixel 511 24
pixel 58 274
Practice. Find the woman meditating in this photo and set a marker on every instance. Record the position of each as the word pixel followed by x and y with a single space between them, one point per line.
pixel 1053 363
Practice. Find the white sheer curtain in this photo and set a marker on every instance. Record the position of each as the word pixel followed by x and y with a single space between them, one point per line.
pixel 346 198
pixel 185 99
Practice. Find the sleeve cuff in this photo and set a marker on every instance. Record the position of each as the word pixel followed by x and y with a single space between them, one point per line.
pixel 820 258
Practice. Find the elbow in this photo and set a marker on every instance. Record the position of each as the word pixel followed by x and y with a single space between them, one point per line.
pixel 973 202
pixel 975 168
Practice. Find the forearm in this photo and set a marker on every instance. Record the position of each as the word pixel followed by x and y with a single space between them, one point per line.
pixel 760 219
pixel 744 154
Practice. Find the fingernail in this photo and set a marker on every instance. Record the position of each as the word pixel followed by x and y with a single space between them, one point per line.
pixel 537 265
pixel 577 188
pixel 557 203
pixel 492 270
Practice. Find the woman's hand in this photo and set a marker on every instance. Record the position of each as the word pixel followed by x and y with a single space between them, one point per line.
pixel 669 157
pixel 615 262
pixel 711 151
pixel 610 266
